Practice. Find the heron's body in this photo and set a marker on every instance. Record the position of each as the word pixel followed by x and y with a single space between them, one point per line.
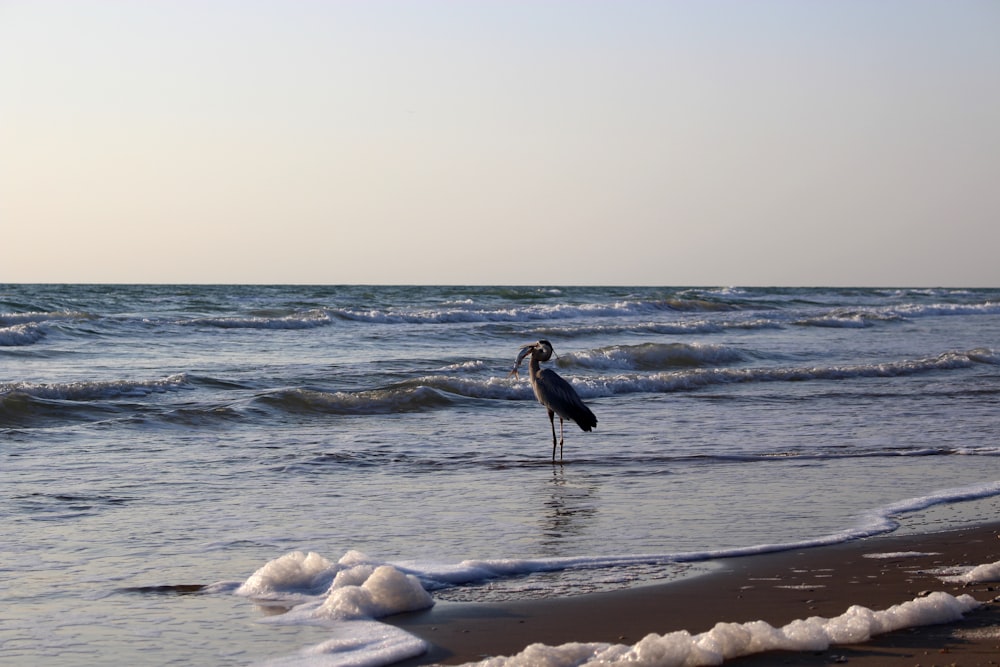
pixel 555 393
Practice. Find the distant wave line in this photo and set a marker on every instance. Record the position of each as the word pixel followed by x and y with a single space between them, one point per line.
pixel 457 313
pixel 42 316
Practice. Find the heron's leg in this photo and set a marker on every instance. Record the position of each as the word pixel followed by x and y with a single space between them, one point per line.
pixel 560 438
pixel 552 417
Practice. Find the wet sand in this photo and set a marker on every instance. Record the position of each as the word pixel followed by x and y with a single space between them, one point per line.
pixel 776 588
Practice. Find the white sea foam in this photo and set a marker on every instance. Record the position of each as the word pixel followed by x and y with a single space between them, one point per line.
pixel 979 574
pixel 356 644
pixel 355 587
pixel 294 574
pixel 726 641
pixel 346 597
pixel 367 591
pixel 900 554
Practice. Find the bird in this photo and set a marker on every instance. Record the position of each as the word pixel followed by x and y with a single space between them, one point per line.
pixel 555 393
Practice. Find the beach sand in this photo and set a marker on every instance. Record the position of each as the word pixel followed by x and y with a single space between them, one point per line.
pixel 777 588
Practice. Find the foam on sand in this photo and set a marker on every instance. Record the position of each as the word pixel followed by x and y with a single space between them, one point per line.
pixel 731 640
pixel 355 587
pixel 979 574
pixel 346 597
pixel 356 644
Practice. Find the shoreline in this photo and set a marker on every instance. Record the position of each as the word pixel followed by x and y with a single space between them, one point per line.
pixel 777 588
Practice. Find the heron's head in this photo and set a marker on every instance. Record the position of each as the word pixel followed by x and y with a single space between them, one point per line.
pixel 542 351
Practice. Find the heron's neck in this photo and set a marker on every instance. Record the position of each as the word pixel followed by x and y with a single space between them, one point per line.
pixel 533 367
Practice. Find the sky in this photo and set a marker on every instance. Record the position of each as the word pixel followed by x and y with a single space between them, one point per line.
pixel 556 142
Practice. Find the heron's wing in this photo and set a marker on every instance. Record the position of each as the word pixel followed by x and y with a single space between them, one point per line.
pixel 559 396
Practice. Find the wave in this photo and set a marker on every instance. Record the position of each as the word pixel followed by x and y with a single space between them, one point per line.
pixel 867 317
pixel 58 506
pixel 653 356
pixel 30 404
pixel 984 355
pixel 370 402
pixel 550 315
pixel 852 319
pixel 419 394
pixel 699 378
pixel 93 390
pixel 20 334
pixel 467 312
pixel 940 309
pixel 529 313
pixel 307 320
pixel 677 327
pixel 7 319
pixel 692 379
pixel 20 329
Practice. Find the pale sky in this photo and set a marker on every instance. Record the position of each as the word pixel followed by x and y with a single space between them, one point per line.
pixel 703 142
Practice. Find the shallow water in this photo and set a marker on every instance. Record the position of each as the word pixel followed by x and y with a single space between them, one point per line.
pixel 162 436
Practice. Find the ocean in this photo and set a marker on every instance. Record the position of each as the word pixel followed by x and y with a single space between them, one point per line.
pixel 188 470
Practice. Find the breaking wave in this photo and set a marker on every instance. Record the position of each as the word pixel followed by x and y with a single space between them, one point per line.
pixel 867 317
pixel 50 404
pixel 671 328
pixel 307 320
pixel 92 390
pixel 687 380
pixel 653 356
pixel 369 402
pixel 849 319
pixel 7 319
pixel 530 313
pixel 20 334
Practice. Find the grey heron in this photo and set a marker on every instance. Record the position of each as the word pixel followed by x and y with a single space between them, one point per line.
pixel 555 393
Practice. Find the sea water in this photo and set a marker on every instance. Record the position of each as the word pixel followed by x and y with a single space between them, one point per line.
pixel 163 448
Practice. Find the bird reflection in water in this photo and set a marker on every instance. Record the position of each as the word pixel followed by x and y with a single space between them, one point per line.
pixel 567 511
